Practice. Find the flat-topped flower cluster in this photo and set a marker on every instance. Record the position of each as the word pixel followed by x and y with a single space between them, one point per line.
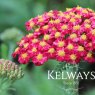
pixel 64 36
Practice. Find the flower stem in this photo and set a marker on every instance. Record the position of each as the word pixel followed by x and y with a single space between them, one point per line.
pixel 70 84
pixel 4 86
pixel 11 49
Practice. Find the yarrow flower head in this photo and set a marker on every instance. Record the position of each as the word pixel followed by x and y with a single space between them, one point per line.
pixel 10 70
pixel 64 36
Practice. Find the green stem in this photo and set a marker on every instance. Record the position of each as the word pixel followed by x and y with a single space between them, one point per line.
pixel 11 49
pixel 4 86
pixel 70 84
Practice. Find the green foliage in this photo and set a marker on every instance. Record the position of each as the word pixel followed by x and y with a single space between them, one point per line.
pixel 37 83
pixel 9 37
pixel 11 34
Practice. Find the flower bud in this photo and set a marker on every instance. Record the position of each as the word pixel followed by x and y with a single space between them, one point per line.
pixel 10 70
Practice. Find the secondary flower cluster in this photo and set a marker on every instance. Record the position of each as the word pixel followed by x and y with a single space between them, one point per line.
pixel 10 70
pixel 64 36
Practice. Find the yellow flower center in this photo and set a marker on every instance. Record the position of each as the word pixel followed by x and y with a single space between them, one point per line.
pixel 26 45
pixel 89 55
pixel 67 16
pixel 84 11
pixel 57 21
pixel 57 34
pixel 24 55
pixel 87 26
pixel 16 49
pixel 90 10
pixel 45 27
pixel 34 40
pixel 52 21
pixel 72 13
pixel 87 21
pixel 53 28
pixel 61 53
pixel 40 19
pixel 39 16
pixel 72 20
pixel 21 42
pixel 93 32
pixel 31 24
pixel 78 16
pixel 78 8
pixel 42 43
pixel 73 57
pixel 84 37
pixel 51 50
pixel 39 56
pixel 70 46
pixel 72 36
pixel 80 48
pixel 37 30
pixel 68 9
pixel 46 37
pixel 30 35
pixel 64 27
pixel 60 13
pixel 34 49
pixel 77 27
pixel 50 14
pixel 60 44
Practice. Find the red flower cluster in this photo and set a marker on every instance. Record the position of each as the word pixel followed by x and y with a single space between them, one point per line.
pixel 65 36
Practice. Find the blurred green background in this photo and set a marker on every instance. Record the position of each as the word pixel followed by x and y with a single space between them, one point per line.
pixel 13 15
